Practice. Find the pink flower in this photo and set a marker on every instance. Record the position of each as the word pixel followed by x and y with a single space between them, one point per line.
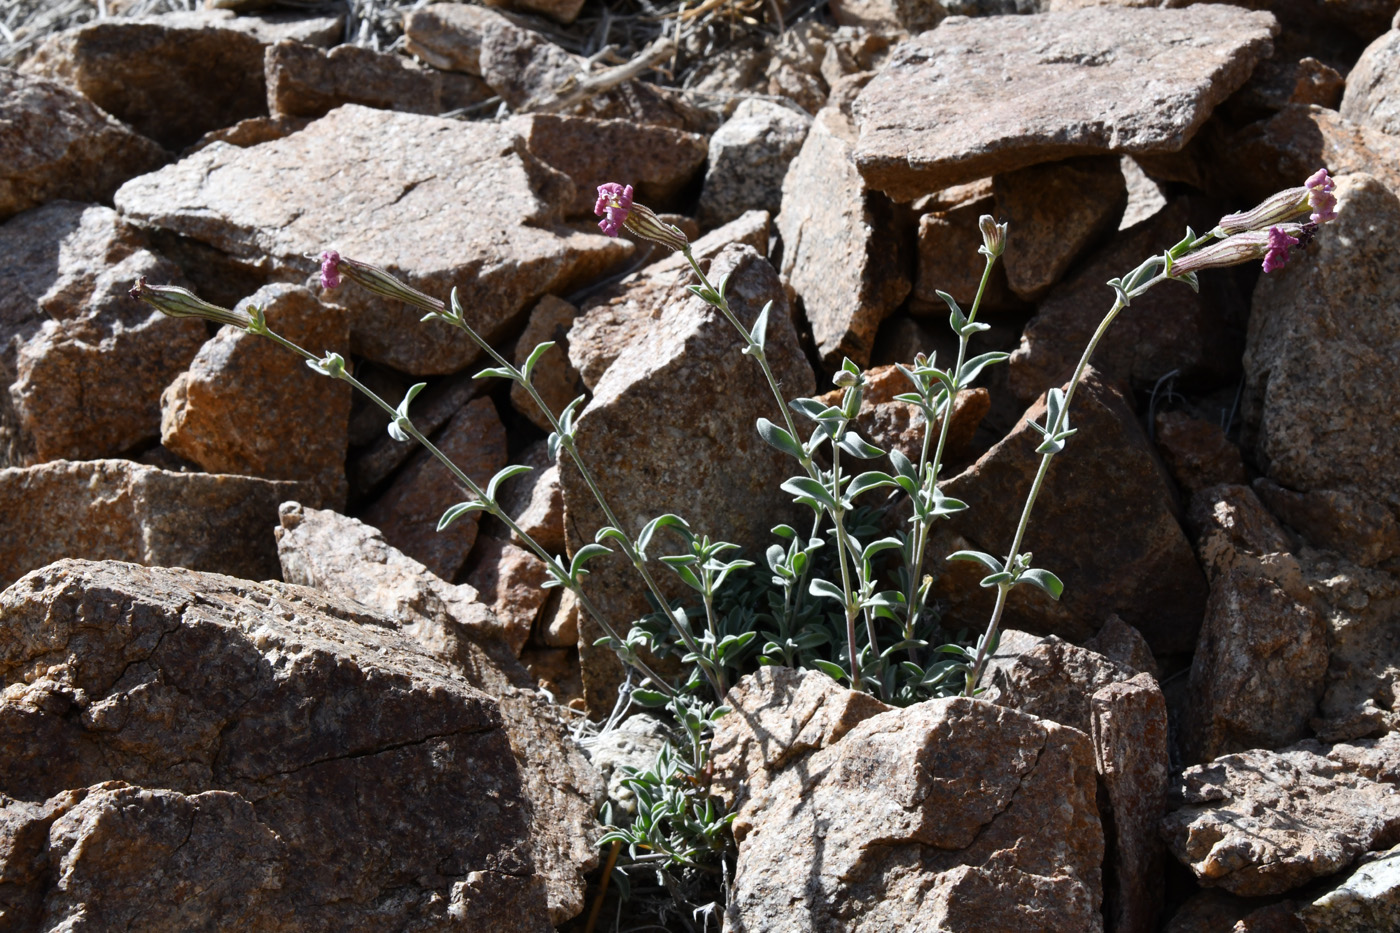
pixel 615 202
pixel 1320 197
pixel 1277 255
pixel 330 269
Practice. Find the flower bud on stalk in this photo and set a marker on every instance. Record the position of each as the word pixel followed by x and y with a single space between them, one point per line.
pixel 617 209
pixel 334 267
pixel 1272 246
pixel 993 235
pixel 181 302
pixel 1315 196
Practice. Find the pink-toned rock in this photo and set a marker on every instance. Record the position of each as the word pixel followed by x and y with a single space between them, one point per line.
pixel 1197 452
pixel 55 143
pixel 557 626
pixel 1232 530
pixel 838 254
pixel 556 380
pixel 250 132
pixel 978 97
pixel 510 580
pixel 178 76
pixel 408 511
pixel 248 406
pixel 535 499
pixel 306 81
pixel 563 11
pixel 888 15
pixel 1372 96
pixel 373 184
pixel 1118 641
pixel 1055 212
pixel 748 158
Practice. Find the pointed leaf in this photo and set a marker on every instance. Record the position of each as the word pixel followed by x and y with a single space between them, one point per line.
pixel 496 372
pixel 857 446
pixel 457 511
pixel 974 366
pixel 874 479
pixel 808 488
pixel 903 465
pixel 820 587
pixel 669 520
pixel 831 670
pixel 759 333
pixel 583 556
pixel 779 438
pixel 502 476
pixel 1044 579
pixel 534 358
pixel 980 557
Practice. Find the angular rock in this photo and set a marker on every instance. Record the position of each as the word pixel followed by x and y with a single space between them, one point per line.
pixel 510 580
pixel 248 406
pixel 305 81
pixel 1372 97
pixel 175 77
pixel 55 143
pixel 838 255
pixel 1169 328
pixel 1263 822
pixel 748 158
pixel 670 429
pixel 557 382
pixel 948 257
pixel 1197 452
pixel 373 185
pixel 83 364
pixel 1139 565
pixel 635 745
pixel 1146 196
pixel 1055 212
pixel 346 558
pixel 448 35
pixel 535 500
pixel 953 814
pixel 1351 523
pixel 620 314
pixel 1368 900
pixel 979 97
pixel 119 510
pixel 888 15
pixel 889 423
pixel 657 161
pixel 251 131
pixel 332 728
pixel 383 454
pixel 1118 641
pixel 1233 530
pixel 408 511
pixel 563 11
pixel 557 626
pixel 1337 312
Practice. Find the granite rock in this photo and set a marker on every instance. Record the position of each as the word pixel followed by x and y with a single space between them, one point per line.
pixel 306 81
pixel 554 377
pixel 510 580
pixel 1197 452
pixel 748 159
pixel 1372 97
pixel 1368 900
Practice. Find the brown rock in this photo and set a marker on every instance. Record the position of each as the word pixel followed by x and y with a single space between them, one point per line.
pixel 271 207
pixel 431 410
pixel 1055 212
pixel 889 423
pixel 511 581
pixel 838 254
pixel 535 499
pixel 1343 433
pixel 949 260
pixel 195 683
pixel 557 626
pixel 1146 195
pixel 346 558
pixel 620 314
pixel 305 81
pixel 1118 641
pixel 251 131
pixel 1138 565
pixel 119 510
pixel 1263 822
pixel 563 11
pixel 448 35
pixel 1285 78
pixel 670 429
pixel 657 161
pixel 553 377
pixel 248 406
pixel 175 77
pixel 1169 328
pixel 1197 452
pixel 1233 530
pixel 919 817
pixel 523 67
pixel 1348 522
pixel 1368 900
pixel 55 143
pixel 980 97
pixel 888 15
pixel 1372 96
pixel 83 363
pixel 408 511
pixel 748 158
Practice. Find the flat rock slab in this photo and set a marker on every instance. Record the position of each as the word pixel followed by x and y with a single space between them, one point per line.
pixel 368 783
pixel 437 202
pixel 119 510
pixel 55 143
pixel 976 97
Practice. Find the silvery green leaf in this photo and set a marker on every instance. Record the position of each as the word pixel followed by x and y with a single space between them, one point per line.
pixel 857 446
pixel 808 488
pixel 974 366
pixel 907 484
pixel 1050 445
pixel 650 698
pixel 980 557
pixel 496 372
pixel 613 532
pixel 502 476
pixel 332 364
pixel 995 579
pixel 973 327
pixel 873 479
pixel 729 568
pixel 784 531
pixel 688 575
pixel 722 285
pixel 913 398
pixel 820 587
pixel 778 438
pixel 566 417
pixel 812 408
pixel 956 319
pixel 680 560
pixel 534 358
pixel 1191 280
pixel 669 520
pixel 882 544
pixel 759 333
pixel 831 670
pixel 903 465
pixel 457 511
pixel 552 446
pixel 946 505
pixel 703 293
pixel 777 558
pixel 1044 579
pixel 1117 286
pixel 583 556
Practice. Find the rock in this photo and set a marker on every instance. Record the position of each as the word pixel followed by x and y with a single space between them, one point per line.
pixel 888 15
pixel 523 67
pixel 1368 900
pixel 1347 522
pixel 1372 97
pixel 1284 79
pixel 670 429
pixel 1233 530
pixel 1125 715
pixel 658 161
pixel 891 826
pixel 949 261
pixel 349 559
pixel 837 254
pixel 82 365
pixel 1120 642
pixel 55 143
pixel 271 207
pixel 553 377
pixel 563 11
pixel 510 581
pixel 178 76
pixel 1139 566
pixel 251 407
pixel 794 65
pixel 1340 435
pixel 1169 328
pixel 1146 196
pixel 1259 665
pixel 748 157
pixel 189 683
pixel 1055 212
pixel 981 97
pixel 618 753
pixel 448 35
pixel 251 131
pixel 408 511
pixel 535 500
pixel 1197 452
pixel 557 626
pixel 1264 822
pixel 618 315
pixel 889 423
pixel 305 81
pixel 431 410
pixel 119 510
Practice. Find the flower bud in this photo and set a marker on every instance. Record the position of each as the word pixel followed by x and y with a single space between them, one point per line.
pixel 616 207
pixel 1271 246
pixel 374 279
pixel 993 235
pixel 845 379
pixel 181 302
pixel 1314 196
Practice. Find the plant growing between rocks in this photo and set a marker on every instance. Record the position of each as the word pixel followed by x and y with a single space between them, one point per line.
pixel 838 596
